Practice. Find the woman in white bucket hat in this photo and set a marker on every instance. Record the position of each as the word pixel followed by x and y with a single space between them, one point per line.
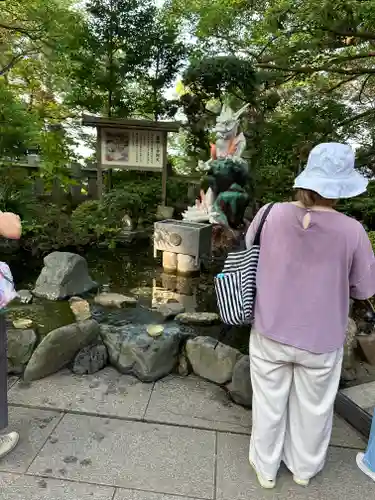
pixel 312 260
pixel 330 172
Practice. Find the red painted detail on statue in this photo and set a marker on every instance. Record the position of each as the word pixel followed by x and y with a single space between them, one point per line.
pixel 231 149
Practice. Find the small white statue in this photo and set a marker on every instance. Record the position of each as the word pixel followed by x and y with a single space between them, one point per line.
pixel 228 143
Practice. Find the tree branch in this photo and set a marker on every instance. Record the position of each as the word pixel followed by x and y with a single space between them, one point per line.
pixel 32 34
pixel 12 28
pixel 258 56
pixel 340 59
pixel 364 35
pixel 356 117
pixel 342 82
pixel 328 69
pixel 363 87
pixel 19 29
pixel 12 63
pixel 348 121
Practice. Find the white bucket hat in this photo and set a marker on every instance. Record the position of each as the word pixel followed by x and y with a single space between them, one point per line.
pixel 330 172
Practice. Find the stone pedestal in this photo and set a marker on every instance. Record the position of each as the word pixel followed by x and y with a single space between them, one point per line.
pixel 186 264
pixel 189 241
pixel 169 262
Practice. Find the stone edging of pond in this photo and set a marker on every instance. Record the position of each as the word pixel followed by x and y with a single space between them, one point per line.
pixel 134 349
pixel 148 352
pixel 87 347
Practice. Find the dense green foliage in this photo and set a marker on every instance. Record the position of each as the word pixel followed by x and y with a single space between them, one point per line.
pixel 48 225
pixel 305 67
pixel 372 239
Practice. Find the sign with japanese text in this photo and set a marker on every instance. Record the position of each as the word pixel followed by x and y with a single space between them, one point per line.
pixel 134 149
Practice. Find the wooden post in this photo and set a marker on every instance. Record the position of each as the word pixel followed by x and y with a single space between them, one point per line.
pixel 76 188
pixel 57 194
pixel 38 187
pixel 99 162
pixel 92 186
pixel 109 179
pixel 165 171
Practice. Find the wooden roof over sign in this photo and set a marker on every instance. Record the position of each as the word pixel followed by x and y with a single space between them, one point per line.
pixel 98 122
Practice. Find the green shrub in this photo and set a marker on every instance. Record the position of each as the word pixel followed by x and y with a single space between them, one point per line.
pixel 47 228
pixel 177 191
pixel 371 235
pixel 362 207
pixel 15 191
pixel 50 227
pixel 148 186
pixel 118 202
pixel 90 224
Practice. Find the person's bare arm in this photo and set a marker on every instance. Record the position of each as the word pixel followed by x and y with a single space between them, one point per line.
pixel 10 225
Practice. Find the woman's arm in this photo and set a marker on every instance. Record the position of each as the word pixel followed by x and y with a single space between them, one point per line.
pixel 362 273
pixel 10 225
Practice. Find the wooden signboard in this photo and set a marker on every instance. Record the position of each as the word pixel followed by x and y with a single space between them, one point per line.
pixel 133 149
pixel 131 145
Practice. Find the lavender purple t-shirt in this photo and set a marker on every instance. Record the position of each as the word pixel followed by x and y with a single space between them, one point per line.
pixel 306 277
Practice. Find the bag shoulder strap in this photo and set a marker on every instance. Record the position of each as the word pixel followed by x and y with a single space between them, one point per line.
pixel 260 227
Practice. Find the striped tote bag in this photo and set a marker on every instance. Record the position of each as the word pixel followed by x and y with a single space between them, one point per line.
pixel 236 285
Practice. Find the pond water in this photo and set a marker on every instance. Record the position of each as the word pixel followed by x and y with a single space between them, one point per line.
pixel 130 271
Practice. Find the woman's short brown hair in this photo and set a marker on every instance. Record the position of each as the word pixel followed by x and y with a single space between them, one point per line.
pixel 310 198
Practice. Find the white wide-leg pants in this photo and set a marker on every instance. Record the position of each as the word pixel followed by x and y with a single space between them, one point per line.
pixel 293 397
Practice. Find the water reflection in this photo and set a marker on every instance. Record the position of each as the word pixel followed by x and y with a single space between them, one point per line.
pixel 167 288
pixel 135 270
pixel 130 271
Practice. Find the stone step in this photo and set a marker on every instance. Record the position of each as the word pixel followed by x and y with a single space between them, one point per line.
pixel 362 395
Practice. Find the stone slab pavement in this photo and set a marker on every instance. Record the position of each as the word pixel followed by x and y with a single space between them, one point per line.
pixel 109 437
pixel 363 395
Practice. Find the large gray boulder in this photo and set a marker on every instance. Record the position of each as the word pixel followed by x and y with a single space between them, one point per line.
pixel 90 360
pixel 211 359
pixel 21 344
pixel 59 347
pixel 240 388
pixel 133 351
pixel 64 275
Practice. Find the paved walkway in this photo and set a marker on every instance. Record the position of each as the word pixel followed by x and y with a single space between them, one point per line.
pixel 110 437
